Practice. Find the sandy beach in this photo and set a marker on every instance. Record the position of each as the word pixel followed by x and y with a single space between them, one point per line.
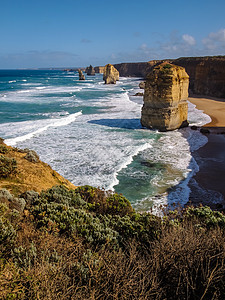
pixel 207 186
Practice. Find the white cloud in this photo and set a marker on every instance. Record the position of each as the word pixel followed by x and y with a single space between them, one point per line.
pixel 215 41
pixel 190 40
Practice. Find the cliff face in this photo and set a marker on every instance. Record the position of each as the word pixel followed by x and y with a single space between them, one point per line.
pixel 207 74
pixel 110 75
pixel 140 69
pixel 99 69
pixel 166 91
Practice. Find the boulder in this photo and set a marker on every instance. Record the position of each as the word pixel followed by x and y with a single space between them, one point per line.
pixel 165 98
pixel 142 85
pixel 110 75
pixel 90 71
pixel 81 75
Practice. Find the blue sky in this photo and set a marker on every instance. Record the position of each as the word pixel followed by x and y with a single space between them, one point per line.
pixel 70 33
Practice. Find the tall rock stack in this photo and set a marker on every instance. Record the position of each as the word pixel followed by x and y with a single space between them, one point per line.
pixel 165 98
pixel 90 71
pixel 81 75
pixel 110 75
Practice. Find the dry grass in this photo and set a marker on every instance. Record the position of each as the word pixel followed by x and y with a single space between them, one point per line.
pixel 185 263
pixel 31 176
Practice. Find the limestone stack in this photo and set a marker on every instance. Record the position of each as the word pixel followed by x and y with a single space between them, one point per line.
pixel 90 71
pixel 165 98
pixel 81 75
pixel 110 75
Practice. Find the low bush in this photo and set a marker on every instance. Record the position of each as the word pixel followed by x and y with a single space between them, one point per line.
pixel 3 149
pixel 7 166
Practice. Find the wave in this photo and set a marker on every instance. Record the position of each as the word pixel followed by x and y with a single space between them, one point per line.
pixel 56 123
pixel 127 162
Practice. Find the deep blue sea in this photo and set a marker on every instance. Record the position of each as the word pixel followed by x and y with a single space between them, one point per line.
pixel 90 133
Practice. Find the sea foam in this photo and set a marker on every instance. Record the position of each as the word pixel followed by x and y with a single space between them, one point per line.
pixel 54 123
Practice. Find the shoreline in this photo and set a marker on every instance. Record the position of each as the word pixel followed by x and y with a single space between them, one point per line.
pixel 207 186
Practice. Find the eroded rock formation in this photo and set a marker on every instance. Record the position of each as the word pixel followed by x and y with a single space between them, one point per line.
pixel 207 74
pixel 81 75
pixel 166 91
pixel 90 71
pixel 110 75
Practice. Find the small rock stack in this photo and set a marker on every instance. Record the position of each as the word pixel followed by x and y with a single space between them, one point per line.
pixel 165 98
pixel 81 75
pixel 90 71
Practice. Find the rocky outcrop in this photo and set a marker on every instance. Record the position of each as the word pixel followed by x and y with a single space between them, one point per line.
pixel 207 74
pixel 142 85
pixel 166 91
pixel 90 71
pixel 110 75
pixel 81 75
pixel 30 174
pixel 99 69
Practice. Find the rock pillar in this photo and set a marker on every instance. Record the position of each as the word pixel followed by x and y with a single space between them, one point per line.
pixel 110 75
pixel 165 98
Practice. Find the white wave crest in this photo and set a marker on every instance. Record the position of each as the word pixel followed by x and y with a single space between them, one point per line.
pixel 128 161
pixel 55 123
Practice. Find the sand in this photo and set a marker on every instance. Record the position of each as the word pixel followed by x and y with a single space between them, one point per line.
pixel 214 107
pixel 208 185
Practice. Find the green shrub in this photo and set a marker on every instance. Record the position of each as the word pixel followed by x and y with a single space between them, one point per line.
pixel 118 205
pixel 205 216
pixel 60 194
pixel 7 231
pixel 103 202
pixel 7 166
pixel 3 149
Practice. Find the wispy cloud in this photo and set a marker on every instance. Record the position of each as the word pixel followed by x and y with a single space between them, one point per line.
pixel 85 41
pixel 215 41
pixel 190 40
pixel 177 45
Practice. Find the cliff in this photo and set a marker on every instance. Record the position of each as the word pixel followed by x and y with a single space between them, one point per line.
pixel 110 75
pixel 21 170
pixel 99 69
pixel 207 74
pixel 166 91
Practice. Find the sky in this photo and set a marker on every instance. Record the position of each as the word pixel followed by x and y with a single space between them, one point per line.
pixel 71 33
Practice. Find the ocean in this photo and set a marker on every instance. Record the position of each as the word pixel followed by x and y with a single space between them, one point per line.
pixel 91 134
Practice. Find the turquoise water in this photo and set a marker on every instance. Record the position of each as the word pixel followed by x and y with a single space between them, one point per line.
pixel 91 134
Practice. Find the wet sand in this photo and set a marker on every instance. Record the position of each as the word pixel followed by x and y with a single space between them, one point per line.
pixel 208 185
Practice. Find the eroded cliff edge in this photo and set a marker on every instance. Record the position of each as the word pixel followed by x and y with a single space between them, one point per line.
pixel 21 170
pixel 206 74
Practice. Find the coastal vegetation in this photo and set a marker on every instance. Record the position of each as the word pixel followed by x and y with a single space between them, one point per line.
pixel 91 244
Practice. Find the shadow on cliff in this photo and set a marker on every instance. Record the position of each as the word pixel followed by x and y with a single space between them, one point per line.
pixel 119 123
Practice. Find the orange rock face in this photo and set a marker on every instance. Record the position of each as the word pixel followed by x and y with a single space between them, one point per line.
pixel 110 75
pixel 166 91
